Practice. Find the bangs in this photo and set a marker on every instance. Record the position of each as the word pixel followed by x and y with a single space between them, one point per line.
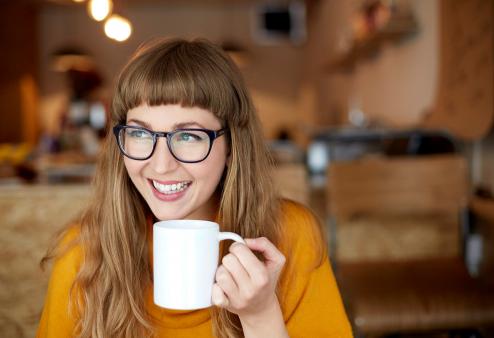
pixel 179 72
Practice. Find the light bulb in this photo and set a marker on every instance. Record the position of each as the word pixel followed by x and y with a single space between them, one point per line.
pixel 118 28
pixel 99 9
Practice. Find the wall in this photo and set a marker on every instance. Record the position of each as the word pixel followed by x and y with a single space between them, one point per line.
pixel 442 78
pixel 272 74
pixel 18 90
pixel 395 87
pixel 465 100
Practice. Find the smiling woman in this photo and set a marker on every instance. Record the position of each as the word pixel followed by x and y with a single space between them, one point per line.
pixel 187 144
pixel 163 174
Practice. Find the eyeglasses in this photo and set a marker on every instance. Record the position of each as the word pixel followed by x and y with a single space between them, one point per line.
pixel 186 145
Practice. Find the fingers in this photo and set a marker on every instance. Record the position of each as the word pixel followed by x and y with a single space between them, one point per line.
pixel 274 258
pixel 243 282
pixel 235 267
pixel 225 280
pixel 246 257
pixel 258 271
pixel 218 297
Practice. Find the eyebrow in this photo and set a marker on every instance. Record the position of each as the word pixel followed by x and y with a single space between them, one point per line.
pixel 175 126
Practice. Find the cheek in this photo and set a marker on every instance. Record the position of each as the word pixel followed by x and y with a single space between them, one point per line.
pixel 209 173
pixel 211 169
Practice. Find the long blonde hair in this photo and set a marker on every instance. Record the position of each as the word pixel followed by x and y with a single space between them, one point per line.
pixel 116 274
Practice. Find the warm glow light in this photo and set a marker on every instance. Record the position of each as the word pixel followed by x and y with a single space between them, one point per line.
pixel 118 28
pixel 99 9
pixel 78 0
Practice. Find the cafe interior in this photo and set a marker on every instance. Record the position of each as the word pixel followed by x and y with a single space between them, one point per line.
pixel 378 115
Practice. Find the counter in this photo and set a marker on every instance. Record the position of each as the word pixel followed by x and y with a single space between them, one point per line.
pixel 29 217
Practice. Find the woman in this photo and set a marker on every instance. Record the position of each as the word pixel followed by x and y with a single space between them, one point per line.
pixel 187 144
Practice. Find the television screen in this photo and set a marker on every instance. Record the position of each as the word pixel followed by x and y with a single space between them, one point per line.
pixel 275 23
pixel 278 21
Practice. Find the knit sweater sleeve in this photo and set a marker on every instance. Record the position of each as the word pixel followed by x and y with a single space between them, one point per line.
pixel 57 319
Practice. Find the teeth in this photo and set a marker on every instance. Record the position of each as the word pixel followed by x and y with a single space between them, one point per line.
pixel 170 188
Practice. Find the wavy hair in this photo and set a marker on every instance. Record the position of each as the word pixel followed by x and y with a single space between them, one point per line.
pixel 116 273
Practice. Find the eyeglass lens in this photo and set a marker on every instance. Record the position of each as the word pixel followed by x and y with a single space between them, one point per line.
pixel 187 145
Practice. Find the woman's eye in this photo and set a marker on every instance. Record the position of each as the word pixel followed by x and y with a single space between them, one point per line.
pixel 138 133
pixel 189 137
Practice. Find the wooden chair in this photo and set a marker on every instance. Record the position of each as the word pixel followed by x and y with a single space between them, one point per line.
pixel 399 245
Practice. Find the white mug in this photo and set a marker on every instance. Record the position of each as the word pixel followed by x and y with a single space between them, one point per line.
pixel 185 262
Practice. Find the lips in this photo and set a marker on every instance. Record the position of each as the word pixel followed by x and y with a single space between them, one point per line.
pixel 169 191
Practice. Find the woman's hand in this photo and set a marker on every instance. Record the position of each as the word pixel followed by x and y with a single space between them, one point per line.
pixel 246 286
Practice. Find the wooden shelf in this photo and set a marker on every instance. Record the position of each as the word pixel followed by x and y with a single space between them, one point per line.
pixel 396 30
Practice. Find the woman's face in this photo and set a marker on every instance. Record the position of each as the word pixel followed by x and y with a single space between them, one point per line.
pixel 172 189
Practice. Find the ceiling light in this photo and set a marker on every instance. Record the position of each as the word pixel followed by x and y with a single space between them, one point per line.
pixel 118 28
pixel 99 9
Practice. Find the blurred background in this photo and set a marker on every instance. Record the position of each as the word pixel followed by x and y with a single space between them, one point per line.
pixel 378 114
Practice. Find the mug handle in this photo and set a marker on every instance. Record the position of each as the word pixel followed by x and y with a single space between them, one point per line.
pixel 230 235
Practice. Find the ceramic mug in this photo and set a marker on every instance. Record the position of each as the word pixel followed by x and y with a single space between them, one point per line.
pixel 185 261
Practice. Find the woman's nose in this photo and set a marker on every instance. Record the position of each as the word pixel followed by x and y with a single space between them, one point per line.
pixel 162 160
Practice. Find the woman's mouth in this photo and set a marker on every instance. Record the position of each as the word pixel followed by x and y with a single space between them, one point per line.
pixel 170 190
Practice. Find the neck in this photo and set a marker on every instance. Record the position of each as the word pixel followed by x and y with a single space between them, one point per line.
pixel 210 211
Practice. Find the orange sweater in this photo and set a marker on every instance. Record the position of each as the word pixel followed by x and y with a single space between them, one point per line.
pixel 311 303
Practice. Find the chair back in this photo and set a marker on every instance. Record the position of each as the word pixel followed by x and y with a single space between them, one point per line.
pixel 398 208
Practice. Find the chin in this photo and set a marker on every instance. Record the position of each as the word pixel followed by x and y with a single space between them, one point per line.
pixel 160 218
pixel 167 217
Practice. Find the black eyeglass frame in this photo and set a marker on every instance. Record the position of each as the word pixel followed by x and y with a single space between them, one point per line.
pixel 212 134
